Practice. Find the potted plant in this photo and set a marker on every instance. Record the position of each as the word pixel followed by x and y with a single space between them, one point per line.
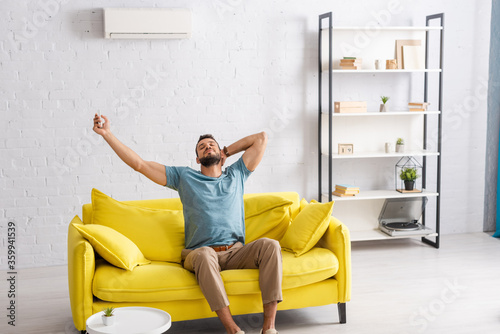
pixel 108 318
pixel 400 145
pixel 409 175
pixel 383 107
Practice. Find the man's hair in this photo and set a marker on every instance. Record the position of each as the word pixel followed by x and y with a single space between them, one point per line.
pixel 204 137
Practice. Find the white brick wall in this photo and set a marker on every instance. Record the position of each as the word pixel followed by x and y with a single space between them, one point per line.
pixel 250 65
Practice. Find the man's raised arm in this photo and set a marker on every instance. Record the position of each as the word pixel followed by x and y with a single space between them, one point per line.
pixel 152 170
pixel 254 147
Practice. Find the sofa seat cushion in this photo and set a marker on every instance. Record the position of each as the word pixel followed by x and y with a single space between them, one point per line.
pixel 164 281
pixel 314 266
pixel 156 282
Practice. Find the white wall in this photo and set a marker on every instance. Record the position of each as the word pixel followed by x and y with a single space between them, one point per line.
pixel 249 66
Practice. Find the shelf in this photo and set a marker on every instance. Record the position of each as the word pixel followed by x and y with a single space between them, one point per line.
pixel 385 114
pixel 413 153
pixel 428 70
pixel 380 194
pixel 376 234
pixel 367 132
pixel 422 28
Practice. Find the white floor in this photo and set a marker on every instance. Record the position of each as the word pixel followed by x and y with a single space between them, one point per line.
pixel 399 286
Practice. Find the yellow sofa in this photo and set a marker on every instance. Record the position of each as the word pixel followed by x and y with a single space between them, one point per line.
pixel 320 276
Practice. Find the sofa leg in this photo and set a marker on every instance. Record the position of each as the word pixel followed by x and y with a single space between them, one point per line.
pixel 342 313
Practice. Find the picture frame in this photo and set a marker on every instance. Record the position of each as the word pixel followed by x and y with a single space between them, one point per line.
pixel 345 149
pixel 399 50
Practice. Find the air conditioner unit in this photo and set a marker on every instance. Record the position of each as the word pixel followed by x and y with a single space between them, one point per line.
pixel 147 23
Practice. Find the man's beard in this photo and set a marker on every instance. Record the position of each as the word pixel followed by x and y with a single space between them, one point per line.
pixel 210 160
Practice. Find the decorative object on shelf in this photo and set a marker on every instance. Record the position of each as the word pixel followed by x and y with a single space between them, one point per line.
pixel 413 57
pixel 108 318
pixel 344 190
pixel 418 106
pixel 391 64
pixel 399 50
pixel 400 145
pixel 389 148
pixel 346 149
pixel 408 175
pixel 408 170
pixel 351 63
pixel 349 106
pixel 401 216
pixel 378 64
pixel 383 107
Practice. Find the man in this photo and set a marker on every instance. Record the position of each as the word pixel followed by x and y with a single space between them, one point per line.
pixel 214 218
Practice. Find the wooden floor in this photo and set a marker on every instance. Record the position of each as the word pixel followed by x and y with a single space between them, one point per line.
pixel 399 286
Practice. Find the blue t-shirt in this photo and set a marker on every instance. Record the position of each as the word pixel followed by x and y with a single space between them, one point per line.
pixel 213 207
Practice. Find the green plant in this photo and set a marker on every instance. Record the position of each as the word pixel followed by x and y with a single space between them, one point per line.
pixel 385 99
pixel 400 141
pixel 408 174
pixel 108 311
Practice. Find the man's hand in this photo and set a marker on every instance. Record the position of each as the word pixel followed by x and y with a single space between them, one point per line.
pixel 99 127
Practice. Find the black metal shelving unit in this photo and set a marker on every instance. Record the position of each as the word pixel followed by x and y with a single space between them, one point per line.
pixel 329 18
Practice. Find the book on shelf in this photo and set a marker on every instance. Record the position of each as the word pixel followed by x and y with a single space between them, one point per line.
pixel 350 63
pixel 343 190
pixel 347 192
pixel 344 110
pixel 335 193
pixel 356 63
pixel 349 106
pixel 350 67
pixel 418 106
pixel 346 187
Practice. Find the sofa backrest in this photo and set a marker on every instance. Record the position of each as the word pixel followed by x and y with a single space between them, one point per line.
pixel 164 203
pixel 266 215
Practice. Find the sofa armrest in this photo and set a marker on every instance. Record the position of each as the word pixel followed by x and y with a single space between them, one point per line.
pixel 81 267
pixel 337 239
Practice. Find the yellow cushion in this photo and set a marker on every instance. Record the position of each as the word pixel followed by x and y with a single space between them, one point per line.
pixel 307 228
pixel 159 234
pixel 113 246
pixel 303 204
pixel 266 216
pixel 315 266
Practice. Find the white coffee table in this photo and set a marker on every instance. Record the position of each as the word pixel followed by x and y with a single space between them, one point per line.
pixel 132 320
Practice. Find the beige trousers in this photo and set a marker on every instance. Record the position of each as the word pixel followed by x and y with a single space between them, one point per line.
pixel 263 254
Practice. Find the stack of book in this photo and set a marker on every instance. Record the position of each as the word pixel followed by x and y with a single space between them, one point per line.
pixel 343 190
pixel 350 63
pixel 418 106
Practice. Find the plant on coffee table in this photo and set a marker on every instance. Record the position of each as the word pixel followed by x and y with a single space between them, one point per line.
pixel 108 316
